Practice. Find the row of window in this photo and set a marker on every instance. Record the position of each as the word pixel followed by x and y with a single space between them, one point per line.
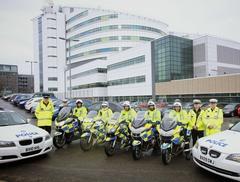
pixel 52 28
pixel 76 17
pixel 89 72
pixel 91 85
pixel 111 38
pixel 126 63
pixel 115 27
pixel 8 68
pixel 96 51
pixel 93 20
pixel 130 80
pixel 52 89
pixel 53 67
pixel 51 19
pixel 52 79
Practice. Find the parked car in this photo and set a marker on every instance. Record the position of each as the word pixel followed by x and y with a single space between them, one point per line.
pixel 12 97
pixel 21 140
pixel 115 107
pixel 239 111
pixel 22 103
pixel 31 103
pixel 231 109
pixel 7 97
pixel 20 97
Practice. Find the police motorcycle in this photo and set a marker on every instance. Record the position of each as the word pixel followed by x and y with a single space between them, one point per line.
pixel 143 136
pixel 117 135
pixel 93 131
pixel 67 128
pixel 174 138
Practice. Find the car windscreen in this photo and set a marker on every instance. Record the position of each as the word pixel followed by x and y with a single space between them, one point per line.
pixel 236 127
pixel 229 106
pixel 11 118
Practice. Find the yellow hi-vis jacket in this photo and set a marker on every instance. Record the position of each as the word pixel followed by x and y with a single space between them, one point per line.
pixel 44 113
pixel 127 116
pixel 213 118
pixel 153 116
pixel 180 116
pixel 194 121
pixel 80 112
pixel 104 114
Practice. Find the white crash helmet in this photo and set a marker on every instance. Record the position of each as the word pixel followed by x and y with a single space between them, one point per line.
pixel 126 104
pixel 151 103
pixel 105 103
pixel 177 104
pixel 79 101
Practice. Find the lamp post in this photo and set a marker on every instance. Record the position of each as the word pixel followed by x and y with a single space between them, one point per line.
pixel 70 68
pixel 31 62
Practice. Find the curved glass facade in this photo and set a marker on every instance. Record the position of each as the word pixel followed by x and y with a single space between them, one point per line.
pixel 110 39
pixel 117 27
pixel 96 51
pixel 93 20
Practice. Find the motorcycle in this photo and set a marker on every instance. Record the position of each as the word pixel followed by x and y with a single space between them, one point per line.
pixel 143 136
pixel 67 128
pixel 117 135
pixel 173 142
pixel 93 131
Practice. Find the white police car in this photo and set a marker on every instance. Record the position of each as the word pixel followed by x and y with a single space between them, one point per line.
pixel 220 153
pixel 19 139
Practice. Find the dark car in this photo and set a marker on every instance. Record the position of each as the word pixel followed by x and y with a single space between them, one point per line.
pixel 12 98
pixel 21 97
pixel 115 107
pixel 231 109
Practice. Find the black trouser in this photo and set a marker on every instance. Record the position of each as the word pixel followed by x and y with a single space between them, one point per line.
pixel 196 135
pixel 47 128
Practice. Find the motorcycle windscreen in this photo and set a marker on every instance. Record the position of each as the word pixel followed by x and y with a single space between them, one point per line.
pixel 114 118
pixel 92 114
pixel 168 123
pixel 64 113
pixel 139 120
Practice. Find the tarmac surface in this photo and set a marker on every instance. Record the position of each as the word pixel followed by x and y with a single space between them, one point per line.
pixel 72 164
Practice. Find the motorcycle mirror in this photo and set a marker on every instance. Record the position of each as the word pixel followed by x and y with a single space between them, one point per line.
pixel 29 120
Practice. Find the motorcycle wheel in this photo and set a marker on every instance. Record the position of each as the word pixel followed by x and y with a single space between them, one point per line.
pixel 85 145
pixel 166 157
pixel 59 141
pixel 109 150
pixel 136 154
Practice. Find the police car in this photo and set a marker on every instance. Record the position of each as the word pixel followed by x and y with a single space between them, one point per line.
pixel 220 153
pixel 19 139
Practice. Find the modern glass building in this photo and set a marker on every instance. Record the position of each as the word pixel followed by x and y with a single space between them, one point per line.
pixel 172 58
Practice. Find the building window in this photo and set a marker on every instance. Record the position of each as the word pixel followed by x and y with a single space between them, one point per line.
pixel 52 28
pixel 92 52
pixel 91 85
pixel 52 46
pixel 136 60
pixel 52 67
pixel 52 78
pixel 89 72
pixel 125 81
pixel 76 17
pixel 52 56
pixel 52 89
pixel 51 19
pixel 52 37
pixel 93 20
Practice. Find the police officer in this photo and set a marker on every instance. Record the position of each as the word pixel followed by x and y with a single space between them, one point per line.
pixel 213 118
pixel 44 113
pixel 105 112
pixel 79 111
pixel 127 114
pixel 152 113
pixel 196 121
pixel 182 117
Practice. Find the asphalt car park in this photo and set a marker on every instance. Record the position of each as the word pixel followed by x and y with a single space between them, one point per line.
pixel 72 164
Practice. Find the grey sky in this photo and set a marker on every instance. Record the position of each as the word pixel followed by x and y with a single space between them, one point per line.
pixel 215 17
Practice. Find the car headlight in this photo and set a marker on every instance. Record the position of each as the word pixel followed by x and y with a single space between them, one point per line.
pixel 6 144
pixel 47 137
pixel 196 145
pixel 234 157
